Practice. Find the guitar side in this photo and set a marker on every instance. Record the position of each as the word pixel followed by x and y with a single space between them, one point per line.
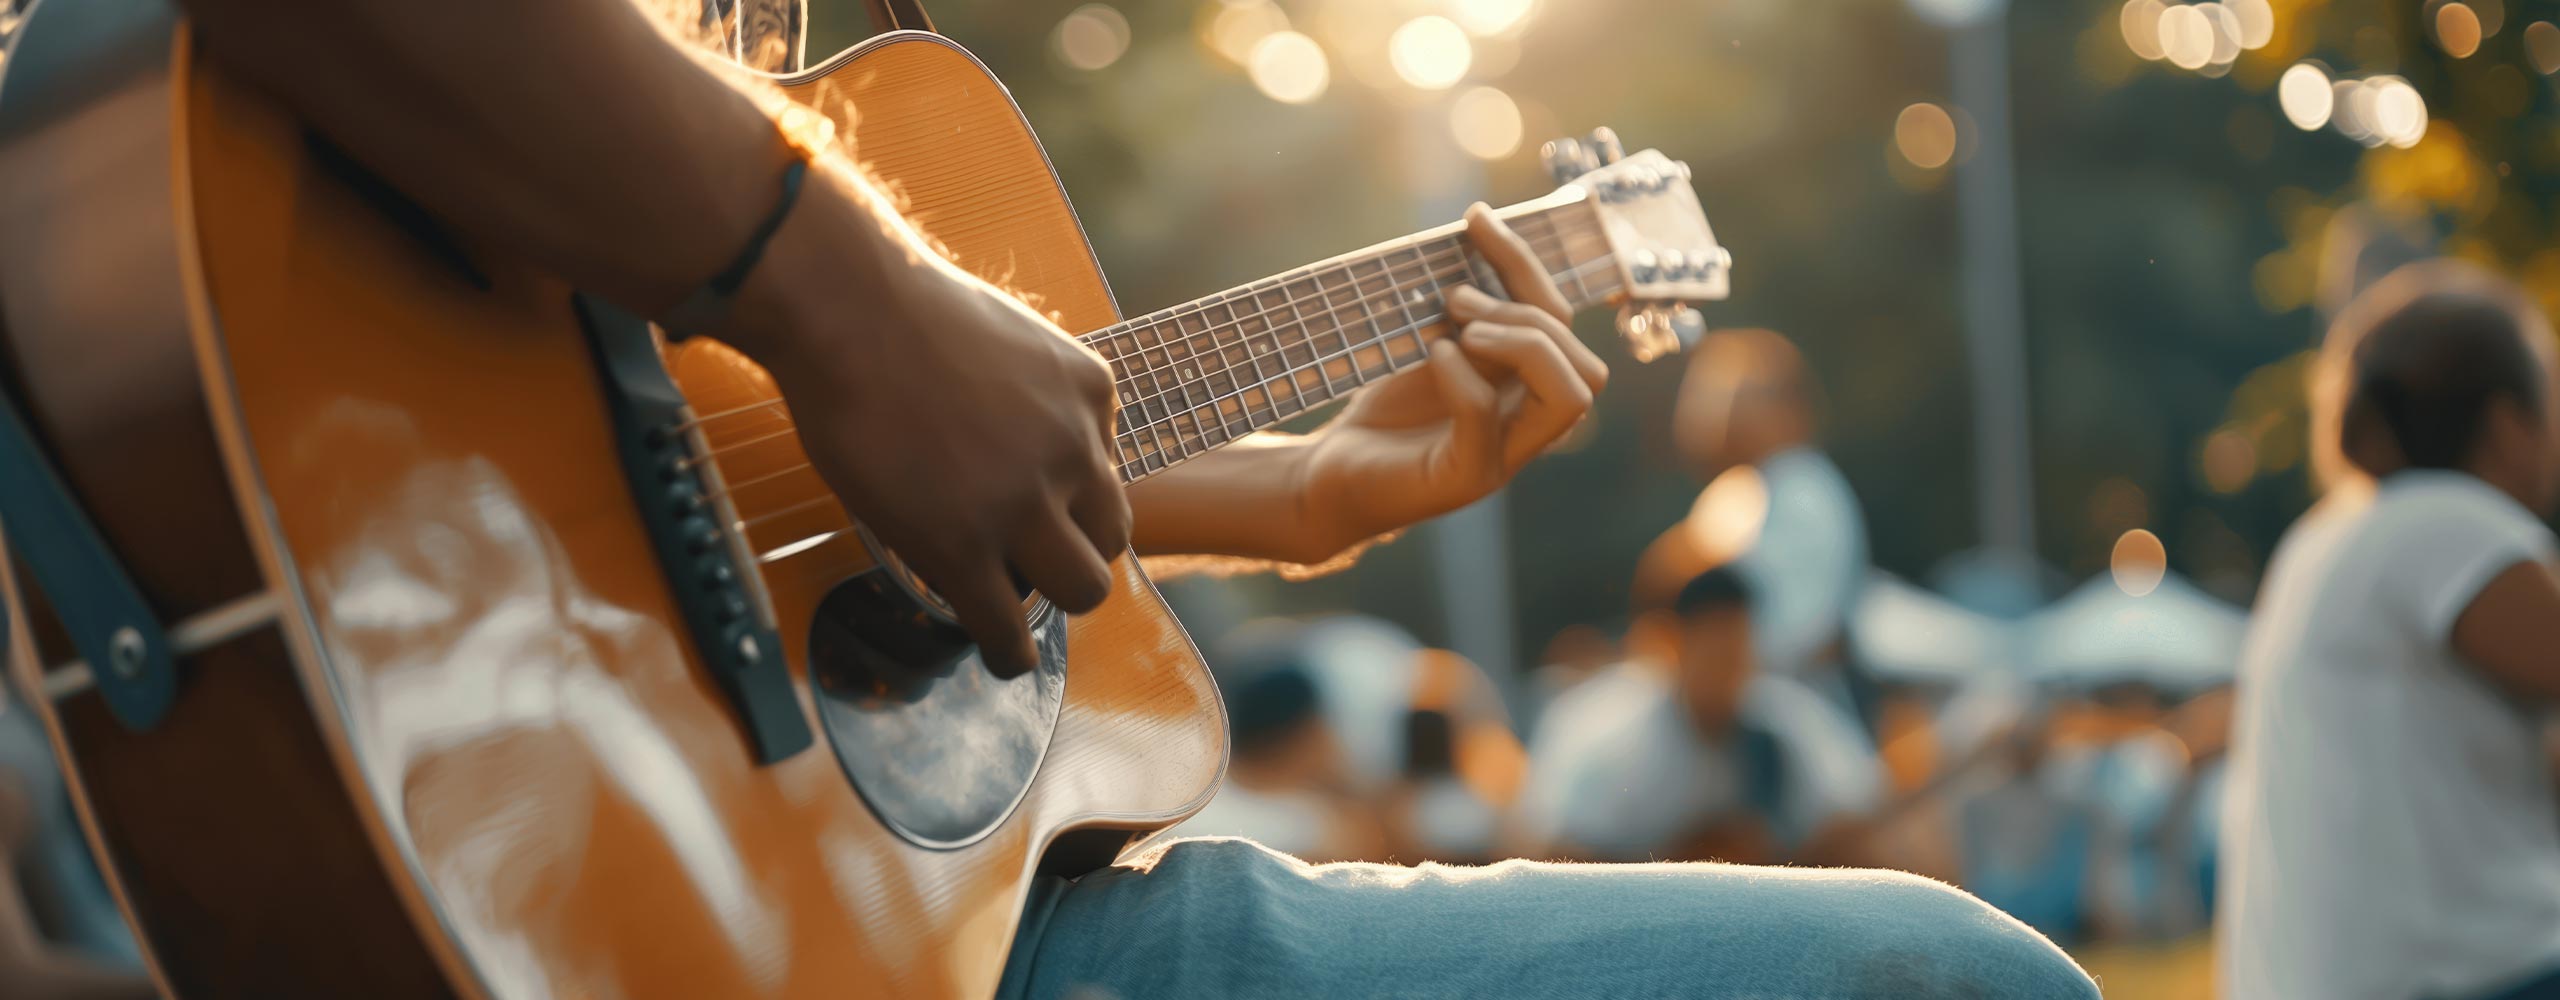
pixel 502 770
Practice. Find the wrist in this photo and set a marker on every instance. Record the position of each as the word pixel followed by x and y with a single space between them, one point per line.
pixel 832 254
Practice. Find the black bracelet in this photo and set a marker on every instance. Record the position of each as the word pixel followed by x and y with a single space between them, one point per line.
pixel 708 307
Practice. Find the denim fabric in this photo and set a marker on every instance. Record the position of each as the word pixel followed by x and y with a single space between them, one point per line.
pixel 1230 918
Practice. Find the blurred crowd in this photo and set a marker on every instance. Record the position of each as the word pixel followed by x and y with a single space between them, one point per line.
pixel 1770 698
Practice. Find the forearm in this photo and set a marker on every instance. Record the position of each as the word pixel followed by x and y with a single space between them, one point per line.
pixel 573 132
pixel 1243 501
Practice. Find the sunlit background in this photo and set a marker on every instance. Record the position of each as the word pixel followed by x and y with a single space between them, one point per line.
pixel 2059 314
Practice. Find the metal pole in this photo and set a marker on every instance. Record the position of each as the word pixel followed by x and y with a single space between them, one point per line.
pixel 1995 323
pixel 1471 546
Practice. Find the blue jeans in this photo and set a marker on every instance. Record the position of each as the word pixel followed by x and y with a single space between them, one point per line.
pixel 1231 918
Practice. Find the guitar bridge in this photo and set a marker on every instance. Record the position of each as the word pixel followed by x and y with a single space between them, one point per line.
pixel 710 574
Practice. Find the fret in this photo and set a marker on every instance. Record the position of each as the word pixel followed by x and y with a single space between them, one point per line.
pixel 1181 355
pixel 1294 292
pixel 1199 376
pixel 1407 298
pixel 1211 366
pixel 1150 340
pixel 1334 281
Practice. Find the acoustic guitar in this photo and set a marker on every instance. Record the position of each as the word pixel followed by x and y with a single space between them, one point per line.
pixel 411 625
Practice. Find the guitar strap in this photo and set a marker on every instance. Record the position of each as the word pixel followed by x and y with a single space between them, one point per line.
pixel 112 626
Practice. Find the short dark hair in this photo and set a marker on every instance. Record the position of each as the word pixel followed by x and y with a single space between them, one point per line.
pixel 1718 589
pixel 2426 358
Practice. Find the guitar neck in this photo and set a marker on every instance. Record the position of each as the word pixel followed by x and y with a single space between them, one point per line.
pixel 1202 374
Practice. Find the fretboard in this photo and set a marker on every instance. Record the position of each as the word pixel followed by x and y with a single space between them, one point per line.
pixel 1199 375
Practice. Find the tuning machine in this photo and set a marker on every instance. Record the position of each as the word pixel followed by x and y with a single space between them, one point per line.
pixel 1569 158
pixel 1654 329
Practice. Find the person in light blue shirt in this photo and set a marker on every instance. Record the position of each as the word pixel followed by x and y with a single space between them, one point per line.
pixel 1702 757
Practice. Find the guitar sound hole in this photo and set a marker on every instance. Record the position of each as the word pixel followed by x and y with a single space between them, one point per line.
pixel 939 748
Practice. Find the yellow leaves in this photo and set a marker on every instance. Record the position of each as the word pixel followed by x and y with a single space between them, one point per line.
pixel 2439 172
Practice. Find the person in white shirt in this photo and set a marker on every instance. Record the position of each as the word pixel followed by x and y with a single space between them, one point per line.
pixel 2391 831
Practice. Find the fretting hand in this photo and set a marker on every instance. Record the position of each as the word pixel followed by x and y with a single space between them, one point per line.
pixel 1500 391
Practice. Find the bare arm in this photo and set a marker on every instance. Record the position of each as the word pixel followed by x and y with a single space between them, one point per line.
pixel 579 135
pixel 1420 444
pixel 2511 630
pixel 574 132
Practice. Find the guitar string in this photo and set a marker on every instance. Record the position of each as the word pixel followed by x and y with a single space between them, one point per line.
pixel 1183 386
pixel 1270 412
pixel 1358 375
pixel 1441 252
pixel 1154 374
pixel 1125 467
pixel 1555 237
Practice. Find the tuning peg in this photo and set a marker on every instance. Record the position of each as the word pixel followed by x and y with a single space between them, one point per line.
pixel 1604 145
pixel 1565 159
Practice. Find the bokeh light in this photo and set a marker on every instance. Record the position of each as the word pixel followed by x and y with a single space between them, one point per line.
pixel 2399 114
pixel 1726 519
pixel 2226 34
pixel 1925 135
pixel 2458 30
pixel 1239 26
pixel 1486 123
pixel 2257 22
pixel 1289 67
pixel 1490 17
pixel 2140 22
pixel 2230 459
pixel 2186 37
pixel 1092 37
pixel 2139 562
pixel 2542 45
pixel 2304 93
pixel 1430 52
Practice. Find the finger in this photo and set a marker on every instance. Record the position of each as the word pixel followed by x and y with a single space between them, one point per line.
pixel 1523 276
pixel 1475 413
pixel 1101 510
pixel 1467 305
pixel 1557 397
pixel 982 596
pixel 1056 559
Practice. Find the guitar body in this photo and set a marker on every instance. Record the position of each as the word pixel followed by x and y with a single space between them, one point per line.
pixel 462 745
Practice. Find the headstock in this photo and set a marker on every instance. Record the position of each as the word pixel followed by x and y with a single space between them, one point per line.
pixel 1667 255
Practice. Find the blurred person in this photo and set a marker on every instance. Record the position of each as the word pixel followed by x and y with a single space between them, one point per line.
pixel 1699 754
pixel 2389 829
pixel 1463 765
pixel 837 306
pixel 1575 654
pixel 1748 420
pixel 1286 784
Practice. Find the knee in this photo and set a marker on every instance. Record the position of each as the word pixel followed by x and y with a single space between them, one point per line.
pixel 1934 940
